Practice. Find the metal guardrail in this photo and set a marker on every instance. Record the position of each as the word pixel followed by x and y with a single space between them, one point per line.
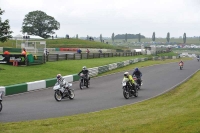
pixel 57 57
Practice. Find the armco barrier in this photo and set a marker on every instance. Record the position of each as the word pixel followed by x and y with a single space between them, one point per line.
pixel 75 77
pixel 36 84
pixel 50 82
pixel 14 89
pixel 2 88
pixel 20 88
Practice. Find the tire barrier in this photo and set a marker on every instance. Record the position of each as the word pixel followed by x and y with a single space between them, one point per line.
pixel 30 86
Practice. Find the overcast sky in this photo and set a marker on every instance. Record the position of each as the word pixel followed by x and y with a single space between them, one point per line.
pixel 95 17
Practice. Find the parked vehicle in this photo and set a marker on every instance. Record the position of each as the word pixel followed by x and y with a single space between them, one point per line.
pixel 61 92
pixel 1 98
pixel 128 90
pixel 84 81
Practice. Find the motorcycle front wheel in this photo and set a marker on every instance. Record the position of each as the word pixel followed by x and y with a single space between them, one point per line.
pixel 81 84
pixel 125 93
pixel 1 106
pixel 136 92
pixel 71 94
pixel 57 95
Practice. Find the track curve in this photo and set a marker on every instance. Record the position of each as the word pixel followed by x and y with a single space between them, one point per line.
pixel 105 92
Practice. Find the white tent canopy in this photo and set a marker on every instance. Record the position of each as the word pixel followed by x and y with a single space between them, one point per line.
pixel 31 37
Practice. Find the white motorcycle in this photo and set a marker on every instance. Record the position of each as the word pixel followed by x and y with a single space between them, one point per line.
pixel 61 92
pixel 1 98
pixel 128 90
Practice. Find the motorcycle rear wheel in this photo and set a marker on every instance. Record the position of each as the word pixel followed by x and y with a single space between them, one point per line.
pixel 58 96
pixel 88 84
pixel 1 106
pixel 125 93
pixel 71 94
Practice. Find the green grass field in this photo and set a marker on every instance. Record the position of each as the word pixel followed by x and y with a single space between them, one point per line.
pixel 66 43
pixel 23 74
pixel 175 111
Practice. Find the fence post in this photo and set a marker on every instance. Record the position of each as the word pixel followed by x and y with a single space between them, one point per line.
pixel 57 57
pixel 65 56
pixel 74 56
pixel 47 58
pixel 93 55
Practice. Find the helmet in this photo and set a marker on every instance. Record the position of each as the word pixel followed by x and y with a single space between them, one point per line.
pixel 136 69
pixel 84 68
pixel 126 74
pixel 59 76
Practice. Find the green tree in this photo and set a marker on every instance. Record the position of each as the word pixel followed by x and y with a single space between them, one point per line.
pixel 39 23
pixel 168 37
pixel 139 37
pixel 113 37
pixel 154 36
pixel 5 32
pixel 126 37
pixel 101 38
pixel 184 38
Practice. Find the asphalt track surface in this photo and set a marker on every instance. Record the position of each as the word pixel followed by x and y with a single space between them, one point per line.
pixel 105 92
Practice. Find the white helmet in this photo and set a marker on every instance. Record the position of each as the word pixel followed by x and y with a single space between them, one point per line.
pixel 84 67
pixel 59 76
pixel 126 74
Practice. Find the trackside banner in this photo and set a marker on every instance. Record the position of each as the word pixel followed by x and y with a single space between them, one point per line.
pixel 9 59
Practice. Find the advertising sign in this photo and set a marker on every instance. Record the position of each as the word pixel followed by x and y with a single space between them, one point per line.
pixel 9 59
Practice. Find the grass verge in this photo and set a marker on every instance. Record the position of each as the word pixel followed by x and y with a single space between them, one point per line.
pixel 175 111
pixel 21 74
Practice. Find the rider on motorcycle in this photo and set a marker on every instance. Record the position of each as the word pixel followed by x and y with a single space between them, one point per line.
pixel 61 80
pixel 137 74
pixel 85 72
pixel 197 56
pixel 181 62
pixel 127 75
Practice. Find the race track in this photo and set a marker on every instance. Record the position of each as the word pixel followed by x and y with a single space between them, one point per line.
pixel 104 93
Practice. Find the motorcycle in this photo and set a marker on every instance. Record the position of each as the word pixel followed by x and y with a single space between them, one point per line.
pixel 138 81
pixel 198 59
pixel 181 66
pixel 84 81
pixel 127 89
pixel 1 98
pixel 61 92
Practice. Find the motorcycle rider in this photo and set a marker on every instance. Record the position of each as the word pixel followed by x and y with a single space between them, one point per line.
pixel 197 57
pixel 85 72
pixel 137 73
pixel 61 81
pixel 181 62
pixel 127 75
